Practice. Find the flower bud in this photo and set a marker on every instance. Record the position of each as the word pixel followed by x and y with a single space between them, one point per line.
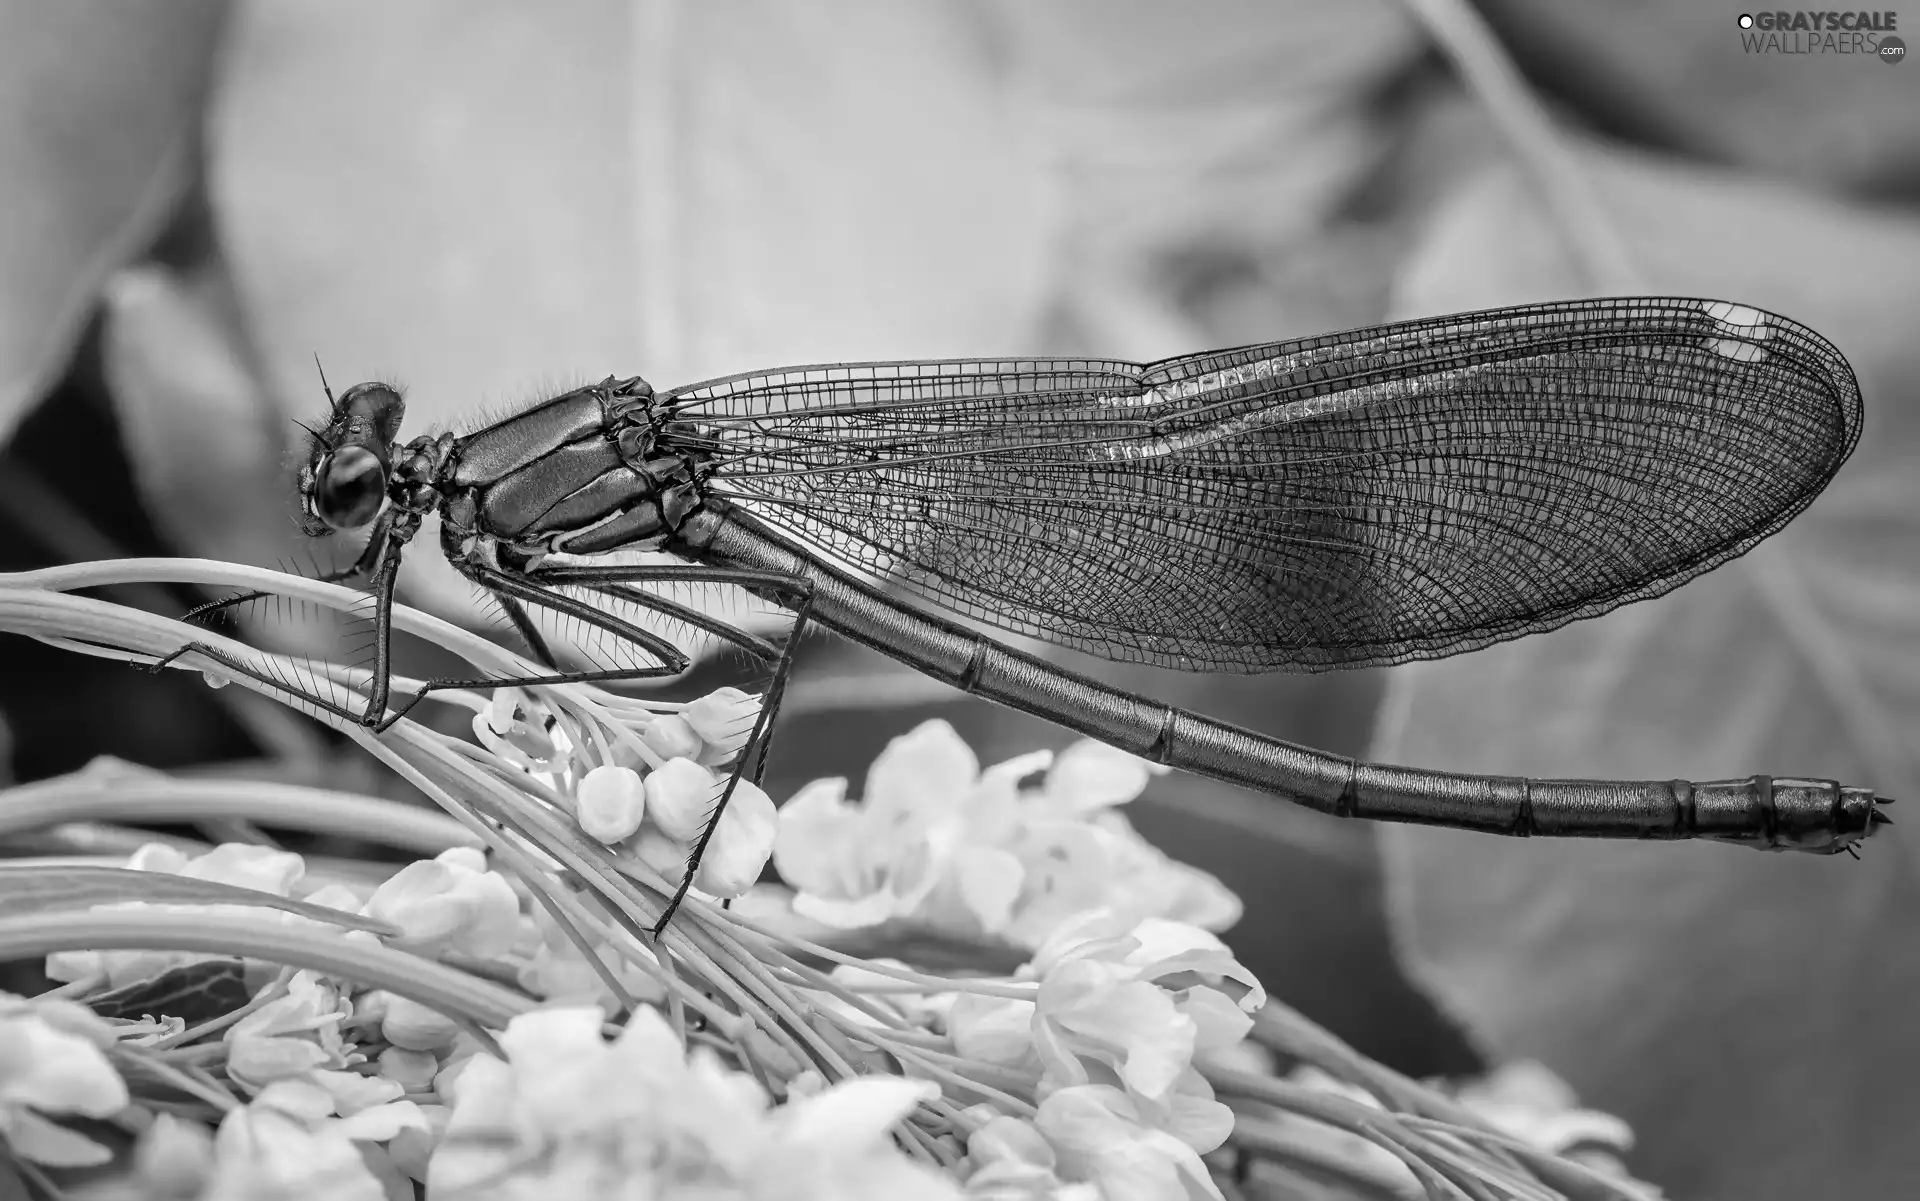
pixel 411 1070
pixel 248 866
pixel 371 1006
pixel 670 737
pixel 668 856
pixel 157 857
pixel 174 1157
pixel 412 1147
pixel 411 1026
pixel 255 1059
pixel 472 858
pixel 741 844
pixel 1007 1138
pixel 724 719
pixel 441 904
pixel 611 801
pixel 335 896
pixel 680 796
pixel 446 1083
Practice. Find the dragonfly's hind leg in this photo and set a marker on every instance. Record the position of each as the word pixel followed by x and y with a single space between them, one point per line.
pixel 517 614
pixel 796 592
pixel 759 744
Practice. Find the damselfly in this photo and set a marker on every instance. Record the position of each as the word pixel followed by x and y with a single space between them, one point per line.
pixel 1402 492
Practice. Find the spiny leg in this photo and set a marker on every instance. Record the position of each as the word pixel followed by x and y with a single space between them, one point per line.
pixel 536 589
pixel 240 668
pixel 517 614
pixel 381 549
pixel 509 591
pixel 539 588
pixel 613 580
pixel 363 564
pixel 672 661
pixel 758 742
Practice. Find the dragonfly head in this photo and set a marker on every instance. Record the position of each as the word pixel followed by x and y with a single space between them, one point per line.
pixel 344 484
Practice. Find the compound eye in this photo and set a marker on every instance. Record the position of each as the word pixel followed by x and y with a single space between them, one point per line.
pixel 349 486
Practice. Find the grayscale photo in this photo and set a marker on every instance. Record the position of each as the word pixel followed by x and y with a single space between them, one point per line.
pixel 966 600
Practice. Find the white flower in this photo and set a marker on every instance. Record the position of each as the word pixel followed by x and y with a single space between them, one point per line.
pixel 265 1154
pixel 1077 853
pixel 313 1124
pixel 940 841
pixel 291 1035
pixel 680 796
pixel 1008 1159
pixel 445 904
pixel 611 802
pixel 51 1062
pixel 413 1071
pixel 741 843
pixel 247 866
pixel 1169 952
pixel 240 864
pixel 415 1027
pixel 666 856
pixel 412 1148
pixel 557 972
pixel 859 865
pixel 1097 1133
pixel 571 1115
pixel 670 737
pixel 1126 1008
pixel 724 720
pixel 173 1158
pixel 1527 1100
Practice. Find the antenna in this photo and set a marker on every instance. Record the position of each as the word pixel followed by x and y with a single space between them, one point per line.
pixel 331 402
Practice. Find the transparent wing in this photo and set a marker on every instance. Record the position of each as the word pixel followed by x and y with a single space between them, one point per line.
pixel 1400 492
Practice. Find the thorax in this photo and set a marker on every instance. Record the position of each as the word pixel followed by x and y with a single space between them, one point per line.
pixel 585 472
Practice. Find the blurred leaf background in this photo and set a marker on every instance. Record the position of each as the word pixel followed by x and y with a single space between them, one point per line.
pixel 486 200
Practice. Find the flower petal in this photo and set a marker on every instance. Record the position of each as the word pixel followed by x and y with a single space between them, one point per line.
pixel 857 914
pixel 1092 775
pixel 1218 1022
pixel 853 1115
pixel 986 881
pixel 1169 949
pixel 741 843
pixel 1093 1130
pixel 998 1030
pixel 817 829
pixel 37 1140
pixel 1133 1026
pixel 922 775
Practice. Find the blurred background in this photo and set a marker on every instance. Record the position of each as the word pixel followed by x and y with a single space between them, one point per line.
pixel 486 200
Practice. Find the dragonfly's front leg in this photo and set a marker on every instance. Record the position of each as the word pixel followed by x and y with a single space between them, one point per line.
pixel 381 555
pixel 370 714
pixel 363 565
pixel 515 591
